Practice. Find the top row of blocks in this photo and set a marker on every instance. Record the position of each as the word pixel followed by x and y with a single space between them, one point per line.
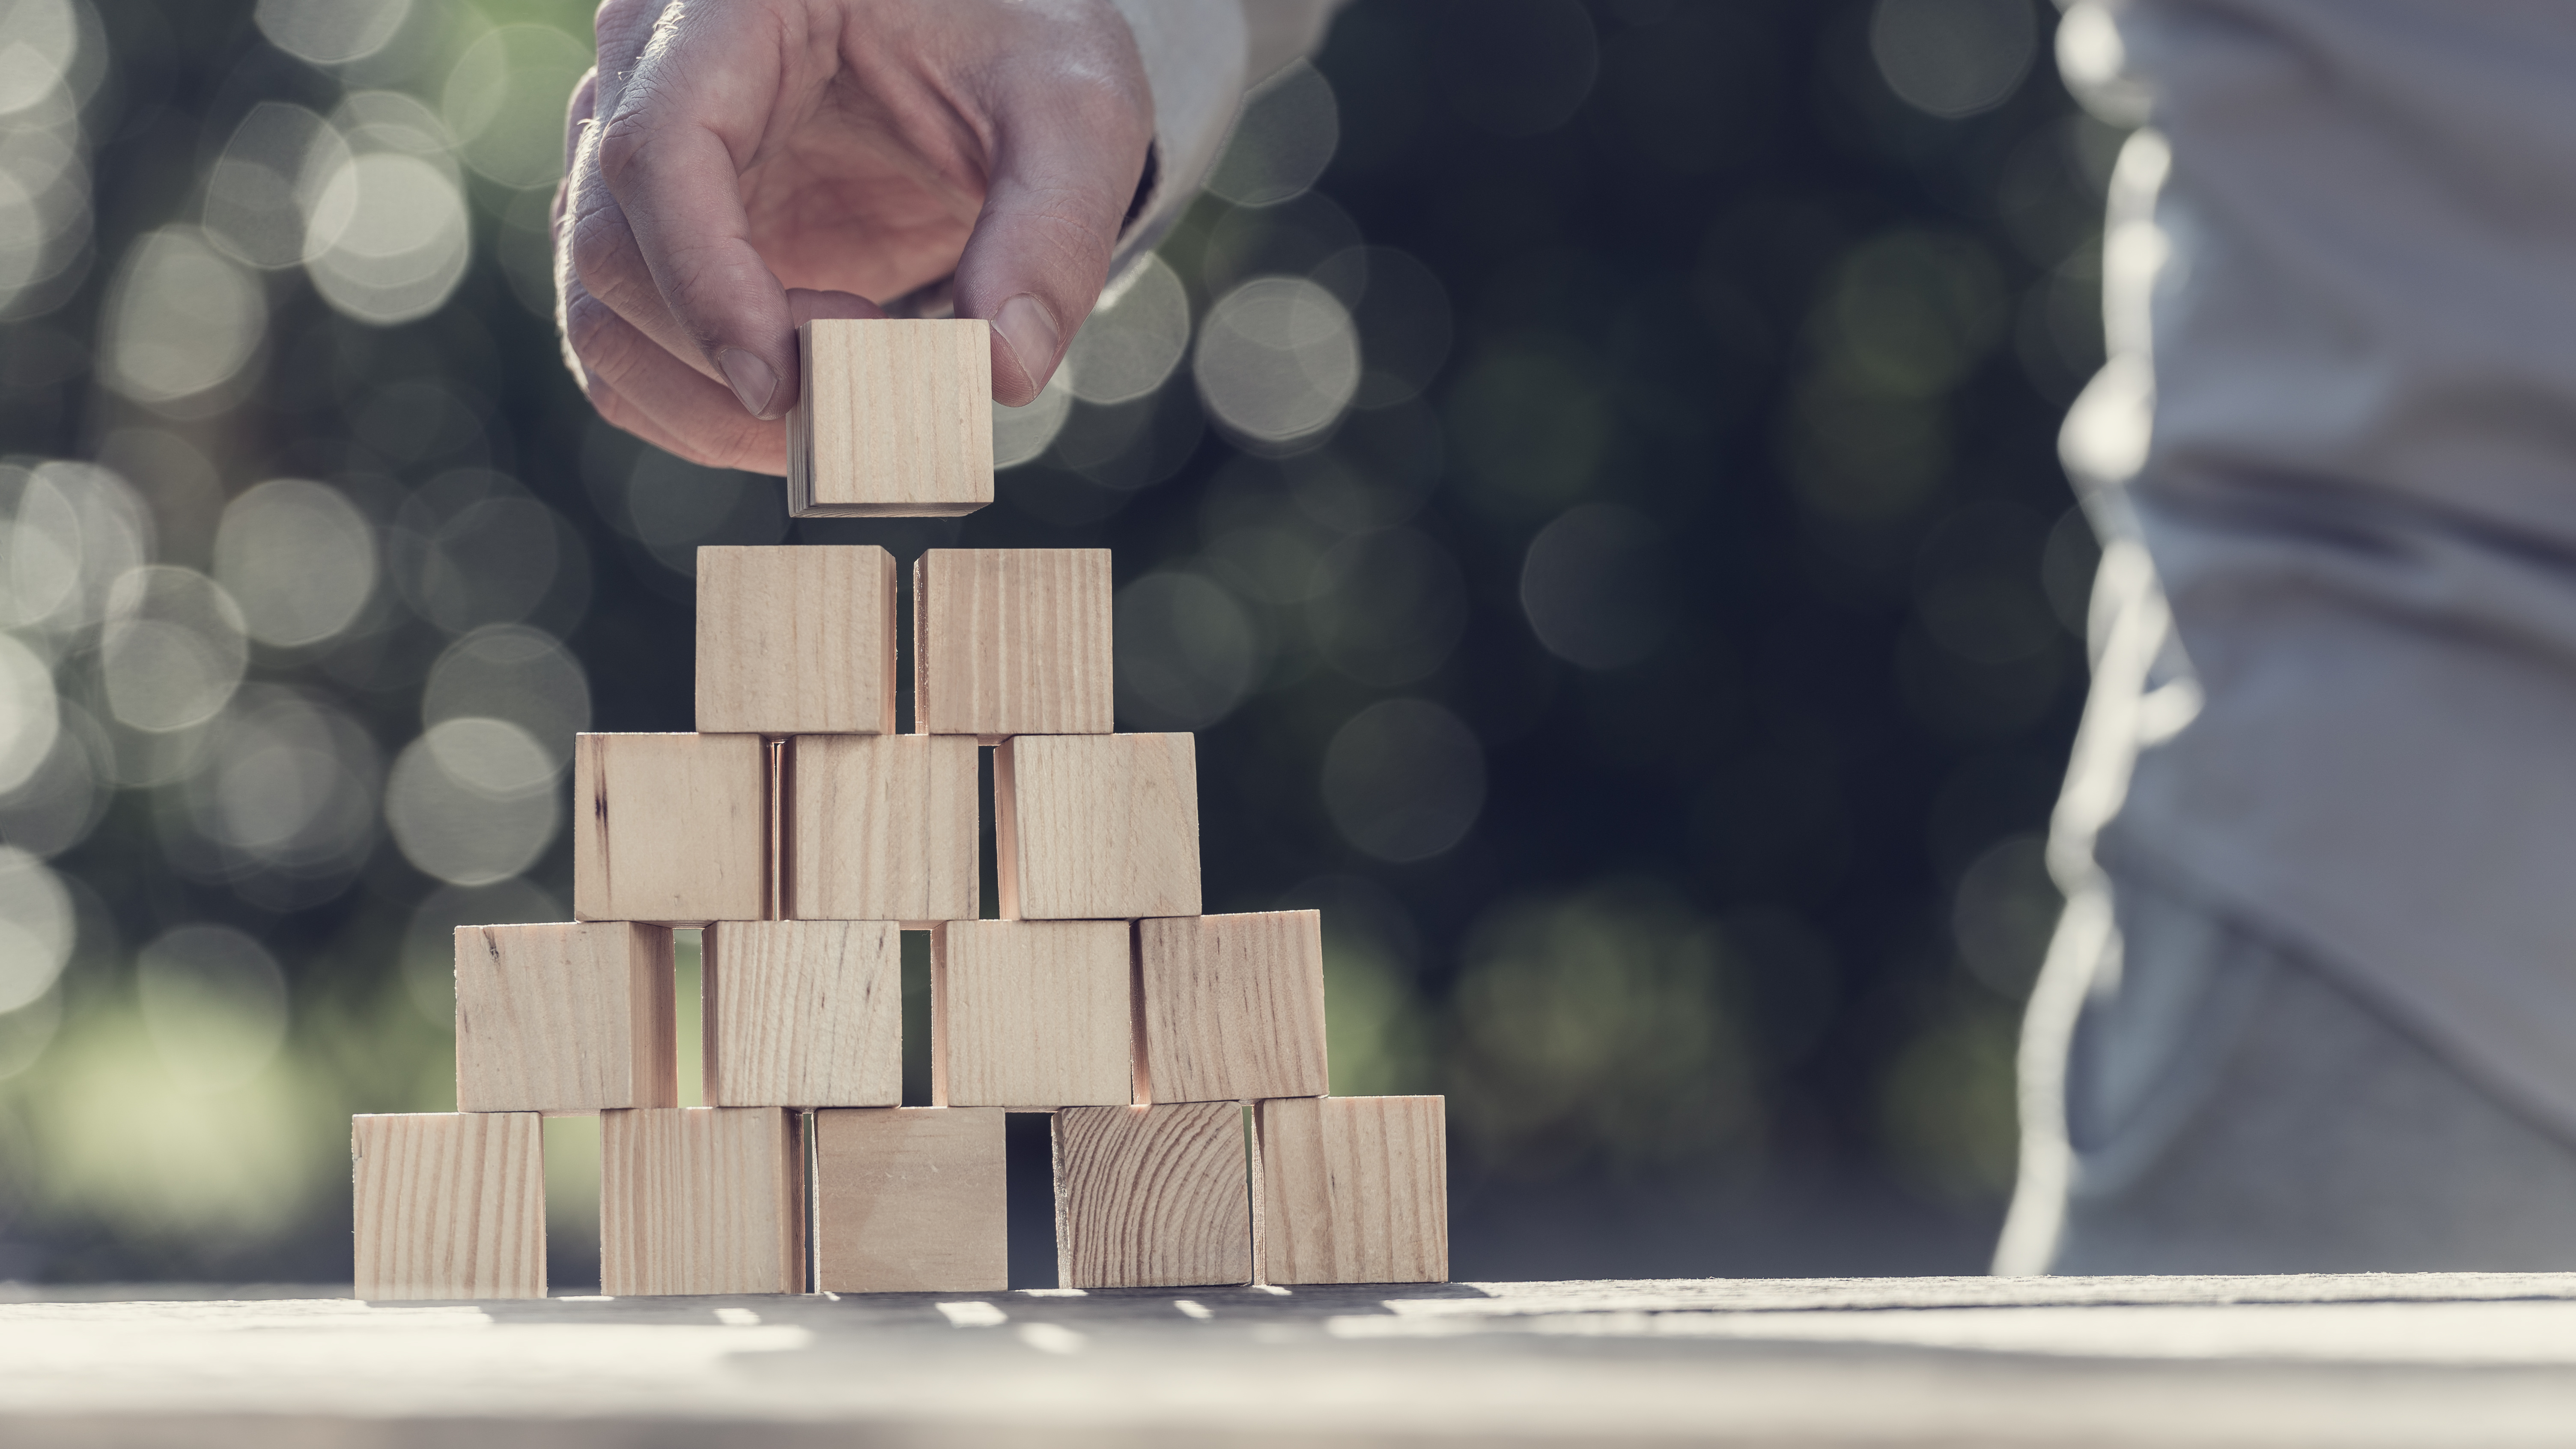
pixel 801 641
pixel 894 420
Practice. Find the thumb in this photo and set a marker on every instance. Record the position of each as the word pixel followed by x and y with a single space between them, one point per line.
pixel 1040 250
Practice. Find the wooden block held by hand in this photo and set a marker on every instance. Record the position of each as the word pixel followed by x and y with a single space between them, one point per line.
pixel 910 1200
pixel 881 828
pixel 570 1017
pixel 701 1200
pixel 1232 1007
pixel 1354 1190
pixel 1030 1014
pixel 670 828
pixel 1012 641
pixel 1097 827
pixel 449 1205
pixel 1151 1197
pixel 803 1013
pixel 895 419
pixel 796 640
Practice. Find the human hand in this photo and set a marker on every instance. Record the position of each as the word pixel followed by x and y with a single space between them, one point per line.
pixel 738 167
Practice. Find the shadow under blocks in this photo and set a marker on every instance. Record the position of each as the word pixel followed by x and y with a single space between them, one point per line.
pixel 1162 1072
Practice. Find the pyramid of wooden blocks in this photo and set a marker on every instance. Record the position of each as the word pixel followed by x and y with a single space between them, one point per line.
pixel 1182 1055
pixel 895 418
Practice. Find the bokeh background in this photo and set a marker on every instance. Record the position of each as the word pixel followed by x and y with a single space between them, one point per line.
pixel 1587 473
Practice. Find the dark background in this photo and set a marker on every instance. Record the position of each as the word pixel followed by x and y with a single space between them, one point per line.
pixel 1726 371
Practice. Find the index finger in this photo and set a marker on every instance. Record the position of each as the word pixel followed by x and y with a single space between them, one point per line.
pixel 686 123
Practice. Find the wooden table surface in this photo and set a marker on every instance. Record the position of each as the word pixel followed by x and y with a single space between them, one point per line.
pixel 2411 1359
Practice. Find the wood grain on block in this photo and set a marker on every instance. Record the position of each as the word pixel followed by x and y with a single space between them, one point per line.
pixel 1355 1189
pixel 1232 1007
pixel 910 1200
pixel 882 828
pixel 449 1205
pixel 701 1200
pixel 803 1013
pixel 1012 642
pixel 796 640
pixel 895 419
pixel 1030 1014
pixel 670 828
pixel 1097 827
pixel 569 1017
pixel 1151 1197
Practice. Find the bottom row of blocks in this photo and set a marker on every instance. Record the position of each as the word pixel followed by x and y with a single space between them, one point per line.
pixel 911 1199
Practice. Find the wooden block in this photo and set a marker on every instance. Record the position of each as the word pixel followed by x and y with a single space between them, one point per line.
pixel 1232 1007
pixel 796 640
pixel 1354 1189
pixel 1151 1197
pixel 895 419
pixel 882 828
pixel 449 1205
pixel 1012 642
pixel 701 1200
pixel 670 828
pixel 1093 827
pixel 910 1200
pixel 803 1013
pixel 571 1017
pixel 1031 1014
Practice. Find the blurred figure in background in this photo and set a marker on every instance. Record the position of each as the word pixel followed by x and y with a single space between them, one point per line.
pixel 2312 1005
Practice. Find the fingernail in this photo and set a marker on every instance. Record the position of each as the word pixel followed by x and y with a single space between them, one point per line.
pixel 752 380
pixel 1030 334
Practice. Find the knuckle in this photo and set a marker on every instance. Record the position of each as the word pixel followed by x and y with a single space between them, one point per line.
pixel 598 336
pixel 622 138
pixel 602 249
pixel 618 17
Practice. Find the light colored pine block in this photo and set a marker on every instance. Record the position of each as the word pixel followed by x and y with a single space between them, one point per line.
pixel 1231 1008
pixel 796 640
pixel 1031 1014
pixel 569 1017
pixel 803 1013
pixel 895 419
pixel 911 1200
pixel 881 828
pixel 670 828
pixel 1097 827
pixel 1151 1197
pixel 449 1205
pixel 1012 642
pixel 1354 1189
pixel 701 1200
